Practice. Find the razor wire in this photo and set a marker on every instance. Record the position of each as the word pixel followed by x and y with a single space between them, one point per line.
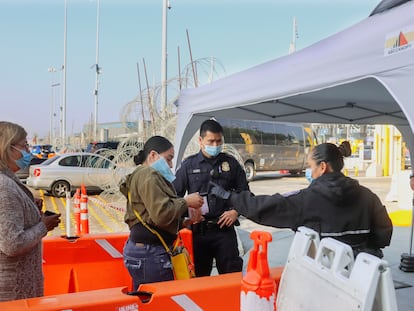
pixel 146 111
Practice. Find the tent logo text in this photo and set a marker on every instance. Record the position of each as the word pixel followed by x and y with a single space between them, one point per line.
pixel 399 41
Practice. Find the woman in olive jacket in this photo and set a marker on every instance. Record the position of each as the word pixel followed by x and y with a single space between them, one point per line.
pixel 152 197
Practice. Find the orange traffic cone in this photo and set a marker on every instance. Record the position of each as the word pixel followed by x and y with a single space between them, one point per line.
pixel 258 289
pixel 83 189
pixel 84 211
pixel 76 210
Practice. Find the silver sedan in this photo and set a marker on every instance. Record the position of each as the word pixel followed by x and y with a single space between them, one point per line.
pixel 68 171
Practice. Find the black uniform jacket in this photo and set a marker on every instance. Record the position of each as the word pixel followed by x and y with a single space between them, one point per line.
pixel 195 173
pixel 334 205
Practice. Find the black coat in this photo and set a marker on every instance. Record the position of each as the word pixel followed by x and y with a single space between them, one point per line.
pixel 334 205
pixel 195 173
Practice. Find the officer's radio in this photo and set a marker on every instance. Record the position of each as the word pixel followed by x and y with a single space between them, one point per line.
pixel 216 172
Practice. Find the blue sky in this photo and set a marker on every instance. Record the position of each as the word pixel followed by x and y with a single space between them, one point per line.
pixel 239 33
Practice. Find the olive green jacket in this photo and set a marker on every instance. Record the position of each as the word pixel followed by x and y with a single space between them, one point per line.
pixel 154 198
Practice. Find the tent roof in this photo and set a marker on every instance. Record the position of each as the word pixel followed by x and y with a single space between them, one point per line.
pixel 362 75
pixel 386 5
pixel 362 101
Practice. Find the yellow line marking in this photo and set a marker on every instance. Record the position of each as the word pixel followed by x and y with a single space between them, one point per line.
pixel 105 211
pixel 107 203
pixel 42 196
pixel 108 218
pixel 117 216
pixel 96 216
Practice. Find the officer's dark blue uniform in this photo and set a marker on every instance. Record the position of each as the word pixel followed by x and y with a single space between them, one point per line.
pixel 209 240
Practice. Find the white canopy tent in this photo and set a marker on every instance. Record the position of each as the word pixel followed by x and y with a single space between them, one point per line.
pixel 362 75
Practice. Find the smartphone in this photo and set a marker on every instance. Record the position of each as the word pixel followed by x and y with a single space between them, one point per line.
pixel 49 213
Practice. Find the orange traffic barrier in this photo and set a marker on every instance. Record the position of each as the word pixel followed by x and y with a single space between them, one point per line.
pixel 220 292
pixel 86 263
pixel 76 210
pixel 88 274
pixel 84 218
pixel 258 289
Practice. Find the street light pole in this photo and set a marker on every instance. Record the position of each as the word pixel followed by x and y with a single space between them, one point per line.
pixel 165 6
pixel 52 85
pixel 63 132
pixel 97 69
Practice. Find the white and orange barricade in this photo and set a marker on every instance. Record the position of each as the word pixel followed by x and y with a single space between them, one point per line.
pixel 76 211
pixel 258 289
pixel 84 217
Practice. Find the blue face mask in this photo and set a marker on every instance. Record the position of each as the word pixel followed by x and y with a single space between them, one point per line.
pixel 308 174
pixel 24 161
pixel 161 166
pixel 213 150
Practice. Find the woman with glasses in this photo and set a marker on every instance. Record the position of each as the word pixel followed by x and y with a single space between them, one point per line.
pixel 22 224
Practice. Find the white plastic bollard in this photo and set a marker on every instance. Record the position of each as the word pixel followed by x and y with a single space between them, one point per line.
pixel 68 209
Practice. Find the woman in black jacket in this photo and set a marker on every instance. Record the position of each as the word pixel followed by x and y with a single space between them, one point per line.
pixel 334 205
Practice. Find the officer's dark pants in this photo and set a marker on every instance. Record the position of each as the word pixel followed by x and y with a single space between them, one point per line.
pixel 216 243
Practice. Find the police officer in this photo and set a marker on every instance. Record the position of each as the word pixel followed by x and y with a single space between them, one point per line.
pixel 214 237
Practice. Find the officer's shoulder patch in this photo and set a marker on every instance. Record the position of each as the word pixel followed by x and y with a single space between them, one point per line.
pixel 288 194
pixel 225 166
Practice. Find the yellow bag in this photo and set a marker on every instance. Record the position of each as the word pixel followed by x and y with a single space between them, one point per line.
pixel 181 260
pixel 183 268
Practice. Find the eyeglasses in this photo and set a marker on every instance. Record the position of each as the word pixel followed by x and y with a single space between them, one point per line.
pixel 25 145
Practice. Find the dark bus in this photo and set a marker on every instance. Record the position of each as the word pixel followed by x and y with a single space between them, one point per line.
pixel 269 146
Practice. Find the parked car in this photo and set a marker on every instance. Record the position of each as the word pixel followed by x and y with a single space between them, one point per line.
pixel 22 174
pixel 68 171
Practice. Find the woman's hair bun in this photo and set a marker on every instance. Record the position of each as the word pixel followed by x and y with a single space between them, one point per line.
pixel 345 148
pixel 139 158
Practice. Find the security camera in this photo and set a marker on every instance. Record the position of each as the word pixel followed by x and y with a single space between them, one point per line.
pixel 168 5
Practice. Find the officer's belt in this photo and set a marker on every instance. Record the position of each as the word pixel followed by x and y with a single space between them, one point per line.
pixel 208 225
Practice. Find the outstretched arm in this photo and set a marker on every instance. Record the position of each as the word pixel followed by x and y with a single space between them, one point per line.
pixel 381 230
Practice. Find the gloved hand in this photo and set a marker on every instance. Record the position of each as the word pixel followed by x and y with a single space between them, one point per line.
pixel 219 191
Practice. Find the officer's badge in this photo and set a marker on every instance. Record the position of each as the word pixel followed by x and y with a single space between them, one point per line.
pixel 225 166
